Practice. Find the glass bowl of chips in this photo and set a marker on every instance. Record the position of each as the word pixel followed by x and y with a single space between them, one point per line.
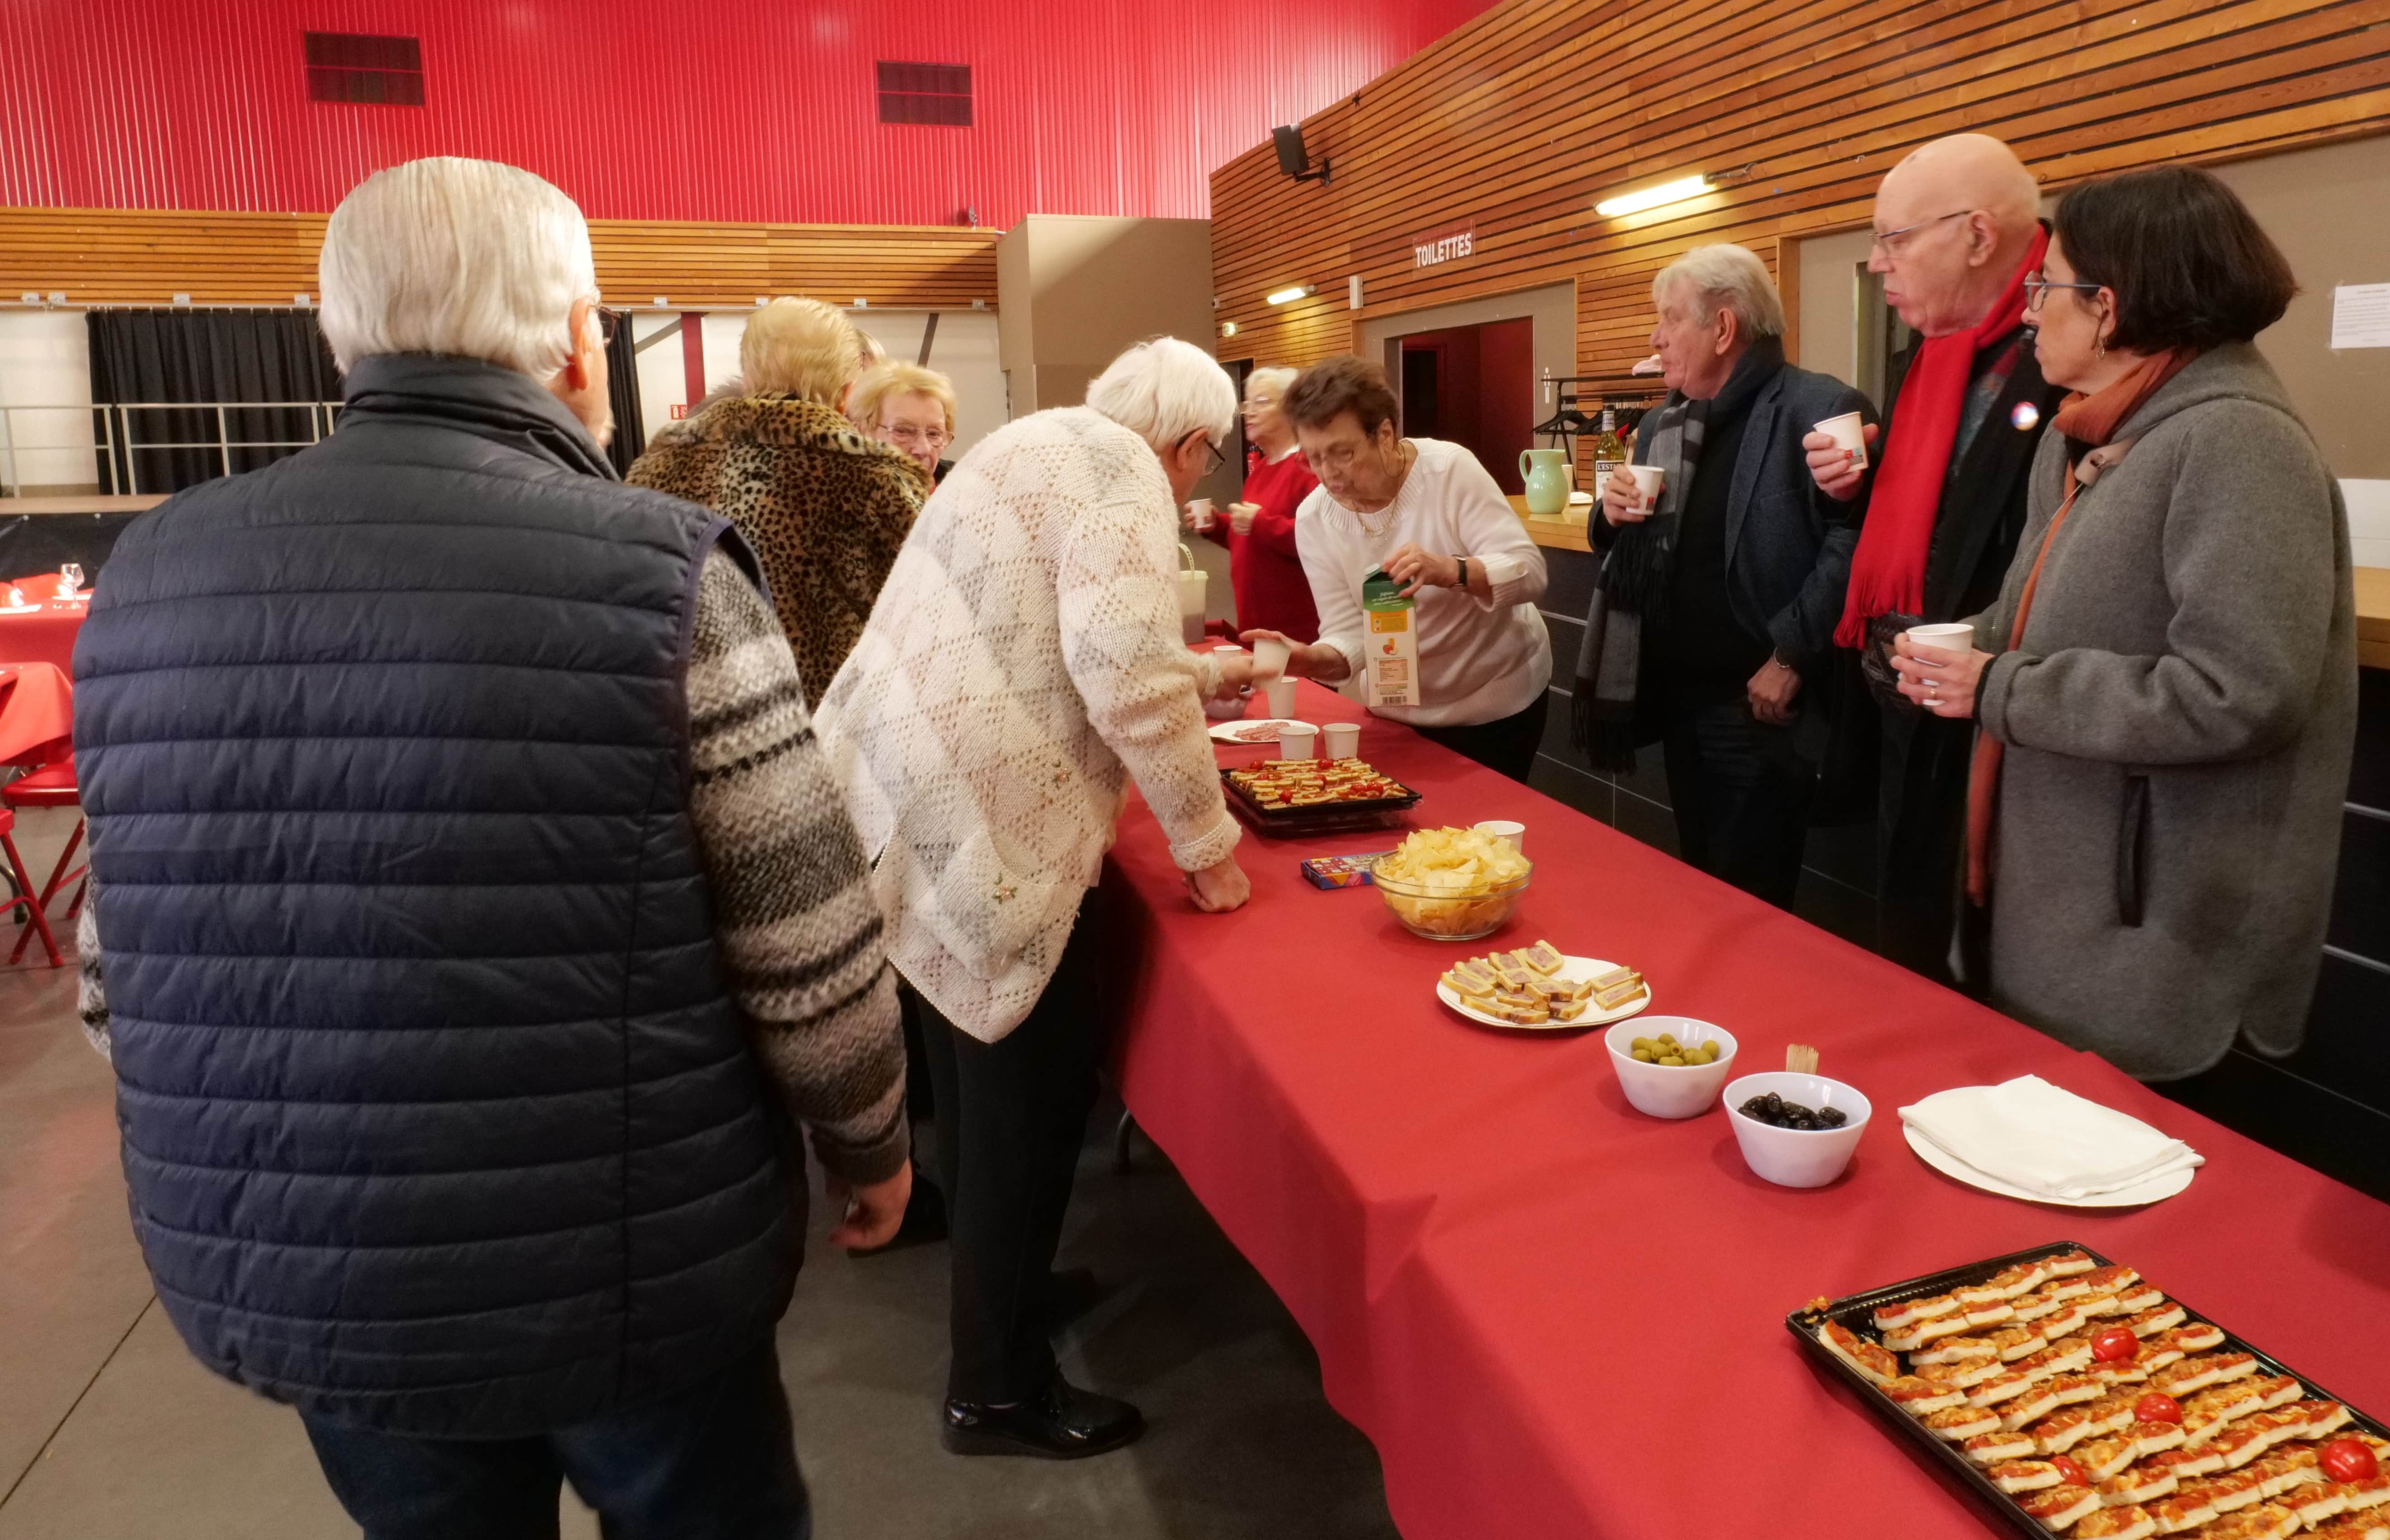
pixel 1452 884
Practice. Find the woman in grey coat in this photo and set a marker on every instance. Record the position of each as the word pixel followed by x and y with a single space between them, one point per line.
pixel 2169 695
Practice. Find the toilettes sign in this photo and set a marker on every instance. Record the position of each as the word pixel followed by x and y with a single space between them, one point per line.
pixel 1438 247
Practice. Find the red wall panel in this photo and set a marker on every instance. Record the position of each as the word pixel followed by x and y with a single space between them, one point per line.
pixel 710 110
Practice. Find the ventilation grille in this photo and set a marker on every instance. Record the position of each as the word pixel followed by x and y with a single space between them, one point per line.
pixel 925 94
pixel 355 67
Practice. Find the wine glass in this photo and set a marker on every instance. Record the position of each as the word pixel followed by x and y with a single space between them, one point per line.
pixel 70 578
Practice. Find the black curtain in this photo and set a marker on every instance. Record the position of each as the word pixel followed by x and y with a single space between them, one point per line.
pixel 143 356
pixel 623 392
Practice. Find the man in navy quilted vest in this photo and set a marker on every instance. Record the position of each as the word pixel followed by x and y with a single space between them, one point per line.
pixel 474 922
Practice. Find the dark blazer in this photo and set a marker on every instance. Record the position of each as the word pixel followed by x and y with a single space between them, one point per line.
pixel 1983 506
pixel 1788 545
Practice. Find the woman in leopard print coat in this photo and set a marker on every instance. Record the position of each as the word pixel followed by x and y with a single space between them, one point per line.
pixel 826 507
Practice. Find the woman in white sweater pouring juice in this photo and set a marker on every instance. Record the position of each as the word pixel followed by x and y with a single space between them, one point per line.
pixel 1428 522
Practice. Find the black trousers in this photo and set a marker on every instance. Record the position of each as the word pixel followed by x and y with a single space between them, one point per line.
pixel 1011 1117
pixel 716 1462
pixel 1921 839
pixel 1741 796
pixel 1506 744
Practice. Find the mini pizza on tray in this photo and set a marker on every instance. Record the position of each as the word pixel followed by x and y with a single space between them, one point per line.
pixel 2174 1433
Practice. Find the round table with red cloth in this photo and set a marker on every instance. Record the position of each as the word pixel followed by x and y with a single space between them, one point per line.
pixel 36 714
pixel 1556 1317
pixel 44 634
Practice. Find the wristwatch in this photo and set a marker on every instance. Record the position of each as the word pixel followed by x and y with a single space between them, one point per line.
pixel 1778 658
pixel 1461 564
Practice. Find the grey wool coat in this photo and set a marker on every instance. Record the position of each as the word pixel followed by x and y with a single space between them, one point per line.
pixel 2178 726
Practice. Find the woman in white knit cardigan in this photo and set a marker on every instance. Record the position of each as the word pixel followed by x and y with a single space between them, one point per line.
pixel 1022 662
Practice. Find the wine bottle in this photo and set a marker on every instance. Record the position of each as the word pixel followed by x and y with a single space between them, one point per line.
pixel 1609 453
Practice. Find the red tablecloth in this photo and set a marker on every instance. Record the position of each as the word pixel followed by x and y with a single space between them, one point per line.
pixel 36 714
pixel 46 636
pixel 1555 1317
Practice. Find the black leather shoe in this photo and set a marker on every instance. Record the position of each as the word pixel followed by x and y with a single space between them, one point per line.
pixel 1061 1422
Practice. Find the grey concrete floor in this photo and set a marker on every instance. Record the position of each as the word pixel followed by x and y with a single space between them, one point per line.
pixel 109 1432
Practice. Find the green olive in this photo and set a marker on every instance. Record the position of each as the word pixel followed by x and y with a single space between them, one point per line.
pixel 1710 1048
pixel 1642 1056
pixel 1673 1062
pixel 1642 1043
pixel 1669 1040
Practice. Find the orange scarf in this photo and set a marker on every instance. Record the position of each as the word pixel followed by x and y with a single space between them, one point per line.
pixel 2090 421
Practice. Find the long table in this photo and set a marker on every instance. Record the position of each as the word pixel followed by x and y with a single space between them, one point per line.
pixel 1555 1317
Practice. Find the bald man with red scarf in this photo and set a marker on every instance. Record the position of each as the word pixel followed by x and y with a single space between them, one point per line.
pixel 1957 232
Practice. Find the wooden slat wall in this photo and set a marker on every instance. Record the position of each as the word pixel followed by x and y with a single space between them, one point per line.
pixel 1517 121
pixel 146 256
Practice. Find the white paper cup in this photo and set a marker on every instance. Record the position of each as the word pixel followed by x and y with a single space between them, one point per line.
pixel 1504 829
pixel 1198 509
pixel 1341 739
pixel 1297 742
pixel 1648 480
pixel 1280 692
pixel 1269 658
pixel 1848 432
pixel 1955 638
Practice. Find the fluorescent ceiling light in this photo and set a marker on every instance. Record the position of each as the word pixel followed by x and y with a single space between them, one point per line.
pixel 1651 198
pixel 1282 296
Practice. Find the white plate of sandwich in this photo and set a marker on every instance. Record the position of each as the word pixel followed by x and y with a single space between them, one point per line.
pixel 1582 983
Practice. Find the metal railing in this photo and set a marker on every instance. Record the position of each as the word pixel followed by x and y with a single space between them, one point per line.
pixel 116 449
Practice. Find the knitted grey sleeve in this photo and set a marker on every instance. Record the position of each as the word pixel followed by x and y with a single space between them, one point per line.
pixel 798 929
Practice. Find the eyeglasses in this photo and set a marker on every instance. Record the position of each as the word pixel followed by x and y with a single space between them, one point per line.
pixel 608 321
pixel 1882 240
pixel 2037 287
pixel 1212 449
pixel 917 438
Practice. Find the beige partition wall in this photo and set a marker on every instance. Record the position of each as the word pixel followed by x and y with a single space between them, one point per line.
pixel 1073 290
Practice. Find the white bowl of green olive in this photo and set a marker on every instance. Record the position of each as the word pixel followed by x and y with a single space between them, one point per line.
pixel 1685 1088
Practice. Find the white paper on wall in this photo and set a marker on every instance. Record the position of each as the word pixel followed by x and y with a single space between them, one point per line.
pixel 2360 315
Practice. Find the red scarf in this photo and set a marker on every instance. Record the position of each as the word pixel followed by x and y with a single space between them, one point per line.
pixel 2091 421
pixel 1888 569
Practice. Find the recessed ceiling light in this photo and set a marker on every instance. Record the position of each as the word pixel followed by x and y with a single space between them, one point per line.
pixel 1651 198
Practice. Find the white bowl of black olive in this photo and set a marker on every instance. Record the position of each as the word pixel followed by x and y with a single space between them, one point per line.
pixel 1796 1130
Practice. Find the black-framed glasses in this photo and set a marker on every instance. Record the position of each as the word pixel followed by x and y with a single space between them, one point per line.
pixel 608 321
pixel 2037 287
pixel 1218 460
pixel 1882 240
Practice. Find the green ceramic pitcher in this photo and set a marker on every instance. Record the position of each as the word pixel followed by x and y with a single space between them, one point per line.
pixel 1548 480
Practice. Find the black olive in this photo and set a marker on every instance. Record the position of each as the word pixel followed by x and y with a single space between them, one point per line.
pixel 1833 1117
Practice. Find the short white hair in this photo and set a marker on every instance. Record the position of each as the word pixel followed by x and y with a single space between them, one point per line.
pixel 1164 390
pixel 1273 373
pixel 449 255
pixel 1725 277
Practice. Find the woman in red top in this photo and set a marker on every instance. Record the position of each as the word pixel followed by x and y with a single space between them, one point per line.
pixel 1264 571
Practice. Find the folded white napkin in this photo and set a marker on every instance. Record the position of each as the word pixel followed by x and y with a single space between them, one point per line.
pixel 2032 1134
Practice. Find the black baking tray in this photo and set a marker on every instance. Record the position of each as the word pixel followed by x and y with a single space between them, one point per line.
pixel 1318 818
pixel 1857 1313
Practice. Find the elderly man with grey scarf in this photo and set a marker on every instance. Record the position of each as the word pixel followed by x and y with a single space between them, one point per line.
pixel 1713 620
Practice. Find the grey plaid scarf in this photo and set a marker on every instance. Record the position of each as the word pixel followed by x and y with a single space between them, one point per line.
pixel 1632 590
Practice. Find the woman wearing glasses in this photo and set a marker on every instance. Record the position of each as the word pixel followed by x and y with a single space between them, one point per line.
pixel 910 407
pixel 825 508
pixel 1264 567
pixel 2165 687
pixel 1429 516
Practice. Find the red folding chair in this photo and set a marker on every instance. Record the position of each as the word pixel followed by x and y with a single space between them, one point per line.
pixel 51 786
pixel 40 921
